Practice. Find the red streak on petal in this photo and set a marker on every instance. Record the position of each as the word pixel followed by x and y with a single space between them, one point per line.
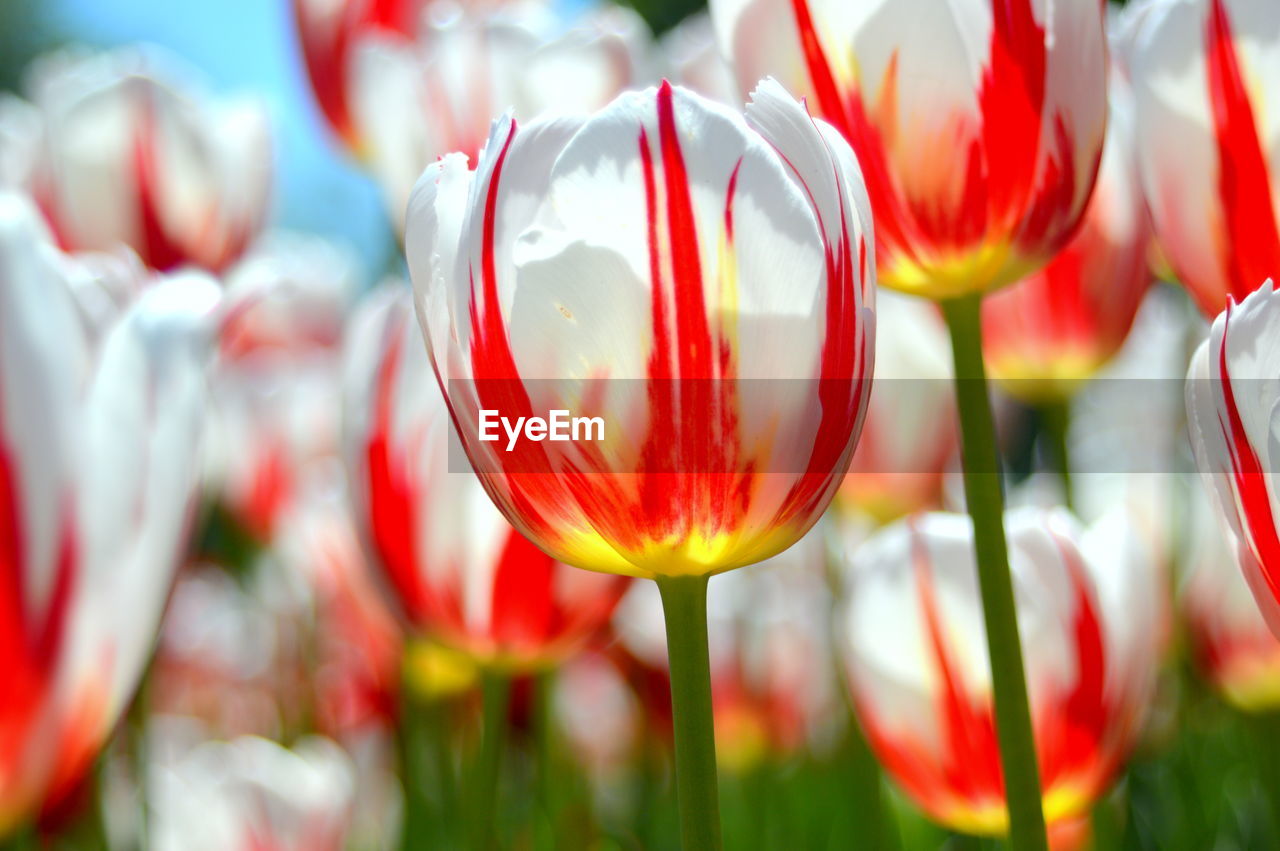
pixel 825 88
pixel 1072 734
pixel 971 752
pixel 393 494
pixel 1251 242
pixel 728 202
pixel 842 385
pixel 524 609
pixel 269 489
pixel 326 50
pixel 1250 479
pixel 1012 100
pixel 155 247
pixel 29 646
pixel 893 224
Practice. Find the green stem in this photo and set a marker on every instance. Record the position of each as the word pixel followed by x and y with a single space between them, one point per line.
pixel 546 803
pixel 437 714
pixel 985 501
pixel 1104 821
pixel 493 738
pixel 135 742
pixel 415 825
pixel 865 789
pixel 1265 727
pixel 1055 417
pixel 684 607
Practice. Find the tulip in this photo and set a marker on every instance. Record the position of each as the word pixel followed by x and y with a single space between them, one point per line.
pixel 909 438
pixel 1056 328
pixel 250 793
pixel 1231 644
pixel 98 472
pixel 1231 392
pixel 724 485
pixel 1204 79
pixel 912 639
pixel 416 101
pixel 459 572
pixel 131 154
pixel 276 386
pixel 979 126
pixel 731 250
pixel 329 33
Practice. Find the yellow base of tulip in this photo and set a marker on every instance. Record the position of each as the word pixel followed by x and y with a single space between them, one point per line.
pixel 1054 379
pixel 1063 802
pixel 693 554
pixel 982 270
pixel 434 671
pixel 1252 691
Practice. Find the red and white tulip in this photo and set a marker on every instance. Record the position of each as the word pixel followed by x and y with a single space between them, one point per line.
pixel 98 471
pixel 1233 385
pixel 329 34
pixel 131 152
pixel 912 637
pixel 1205 76
pixel 979 125
pixel 1059 326
pixel 716 315
pixel 415 101
pixel 462 575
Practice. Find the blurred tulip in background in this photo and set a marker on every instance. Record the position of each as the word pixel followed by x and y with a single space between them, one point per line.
pixel 1058 327
pixel 1202 75
pixel 979 127
pixel 910 435
pixel 129 149
pixel 910 633
pixel 99 438
pixel 460 573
